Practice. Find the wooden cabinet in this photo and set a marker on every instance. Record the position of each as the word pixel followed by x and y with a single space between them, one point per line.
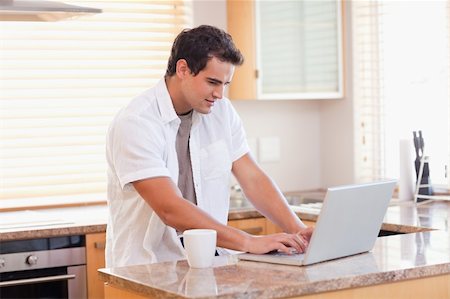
pixel 293 50
pixel 116 292
pixel 272 228
pixel 260 226
pixel 95 259
pixel 241 20
pixel 309 223
pixel 254 226
pixel 429 287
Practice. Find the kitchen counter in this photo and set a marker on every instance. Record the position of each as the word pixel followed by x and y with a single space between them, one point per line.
pixel 398 259
pixel 395 260
pixel 414 264
pixel 403 217
pixel 56 222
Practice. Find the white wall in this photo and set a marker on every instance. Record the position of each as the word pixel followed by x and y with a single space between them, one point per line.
pixel 297 125
pixel 208 12
pixel 338 124
pixel 316 137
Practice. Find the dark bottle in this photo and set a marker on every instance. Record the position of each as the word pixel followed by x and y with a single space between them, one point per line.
pixel 425 179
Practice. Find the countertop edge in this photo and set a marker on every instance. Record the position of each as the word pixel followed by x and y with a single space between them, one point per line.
pixel 53 232
pixel 237 214
pixel 301 289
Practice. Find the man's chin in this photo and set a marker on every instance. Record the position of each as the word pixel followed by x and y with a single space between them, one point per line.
pixel 204 110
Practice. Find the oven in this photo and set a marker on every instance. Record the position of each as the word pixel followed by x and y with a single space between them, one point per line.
pixel 43 268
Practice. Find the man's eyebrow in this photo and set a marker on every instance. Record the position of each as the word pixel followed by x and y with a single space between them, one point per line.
pixel 216 80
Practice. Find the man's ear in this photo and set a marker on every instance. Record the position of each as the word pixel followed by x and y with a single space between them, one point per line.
pixel 182 68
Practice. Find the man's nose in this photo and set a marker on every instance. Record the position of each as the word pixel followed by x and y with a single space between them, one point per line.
pixel 218 92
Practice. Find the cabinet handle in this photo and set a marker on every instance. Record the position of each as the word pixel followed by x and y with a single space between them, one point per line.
pixel 253 230
pixel 99 245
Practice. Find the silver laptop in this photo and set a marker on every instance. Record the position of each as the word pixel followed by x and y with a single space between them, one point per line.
pixel 348 224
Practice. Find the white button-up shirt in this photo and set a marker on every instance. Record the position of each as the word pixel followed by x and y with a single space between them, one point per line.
pixel 140 145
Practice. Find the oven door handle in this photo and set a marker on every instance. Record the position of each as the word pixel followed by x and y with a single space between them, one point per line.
pixel 36 280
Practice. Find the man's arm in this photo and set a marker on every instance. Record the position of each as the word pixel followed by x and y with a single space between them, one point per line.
pixel 266 197
pixel 165 199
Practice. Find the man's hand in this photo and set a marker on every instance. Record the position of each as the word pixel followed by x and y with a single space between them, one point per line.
pixel 305 234
pixel 282 242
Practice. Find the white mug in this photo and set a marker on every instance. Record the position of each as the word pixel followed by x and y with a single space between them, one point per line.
pixel 200 245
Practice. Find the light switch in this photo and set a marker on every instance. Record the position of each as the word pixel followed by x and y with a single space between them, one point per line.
pixel 269 149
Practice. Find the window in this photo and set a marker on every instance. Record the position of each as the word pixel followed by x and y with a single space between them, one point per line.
pixel 62 82
pixel 402 84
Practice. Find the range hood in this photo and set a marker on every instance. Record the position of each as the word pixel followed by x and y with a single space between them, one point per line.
pixel 44 11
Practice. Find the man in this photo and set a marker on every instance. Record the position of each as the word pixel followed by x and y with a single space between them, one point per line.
pixel 171 153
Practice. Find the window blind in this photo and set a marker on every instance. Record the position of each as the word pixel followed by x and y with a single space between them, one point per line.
pixel 62 82
pixel 401 84
pixel 368 90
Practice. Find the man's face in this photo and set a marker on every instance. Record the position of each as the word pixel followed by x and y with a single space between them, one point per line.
pixel 203 90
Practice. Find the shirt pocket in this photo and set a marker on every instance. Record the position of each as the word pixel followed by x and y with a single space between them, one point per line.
pixel 215 160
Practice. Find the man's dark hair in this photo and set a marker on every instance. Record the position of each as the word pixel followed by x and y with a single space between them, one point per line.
pixel 200 44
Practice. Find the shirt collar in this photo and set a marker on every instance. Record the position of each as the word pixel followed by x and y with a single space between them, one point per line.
pixel 165 104
pixel 166 108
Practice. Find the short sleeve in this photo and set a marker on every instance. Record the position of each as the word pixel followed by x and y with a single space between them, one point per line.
pixel 238 137
pixel 137 149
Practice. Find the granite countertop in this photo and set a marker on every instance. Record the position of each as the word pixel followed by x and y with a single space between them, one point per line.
pixel 424 252
pixel 401 217
pixel 394 258
pixel 56 222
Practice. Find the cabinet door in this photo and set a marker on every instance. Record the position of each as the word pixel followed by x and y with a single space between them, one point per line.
pixel 292 49
pixel 309 223
pixel 254 226
pixel 116 292
pixel 95 258
pixel 241 20
pixel 272 228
